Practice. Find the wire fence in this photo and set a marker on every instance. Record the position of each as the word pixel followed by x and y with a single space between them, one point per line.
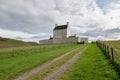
pixel 112 53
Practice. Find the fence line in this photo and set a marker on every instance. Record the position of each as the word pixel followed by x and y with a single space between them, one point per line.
pixel 110 51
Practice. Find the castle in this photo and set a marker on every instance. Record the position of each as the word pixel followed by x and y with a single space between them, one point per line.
pixel 62 34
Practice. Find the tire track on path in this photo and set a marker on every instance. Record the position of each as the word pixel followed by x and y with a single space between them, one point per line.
pixel 34 71
pixel 56 74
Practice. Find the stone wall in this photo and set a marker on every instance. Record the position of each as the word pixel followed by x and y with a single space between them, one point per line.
pixel 66 40
pixel 47 41
pixel 72 40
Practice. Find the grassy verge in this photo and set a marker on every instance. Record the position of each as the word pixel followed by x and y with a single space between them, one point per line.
pixel 92 65
pixel 10 67
pixel 26 50
pixel 43 73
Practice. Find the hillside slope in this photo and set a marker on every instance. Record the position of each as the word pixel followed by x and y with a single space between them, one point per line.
pixel 7 43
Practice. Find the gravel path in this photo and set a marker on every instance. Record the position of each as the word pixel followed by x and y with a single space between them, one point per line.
pixel 27 75
pixel 56 74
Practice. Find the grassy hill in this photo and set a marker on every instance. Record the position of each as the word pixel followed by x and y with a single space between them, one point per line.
pixel 7 43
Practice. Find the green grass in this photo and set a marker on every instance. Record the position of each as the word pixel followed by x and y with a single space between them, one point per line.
pixel 114 44
pixel 26 50
pixel 92 65
pixel 12 66
pixel 43 73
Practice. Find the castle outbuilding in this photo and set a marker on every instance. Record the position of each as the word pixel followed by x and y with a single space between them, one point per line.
pixel 62 34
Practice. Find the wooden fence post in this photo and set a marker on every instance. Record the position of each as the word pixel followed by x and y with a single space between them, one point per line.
pixel 112 54
pixel 105 48
pixel 108 51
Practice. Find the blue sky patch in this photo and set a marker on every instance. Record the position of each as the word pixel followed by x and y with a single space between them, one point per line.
pixel 104 3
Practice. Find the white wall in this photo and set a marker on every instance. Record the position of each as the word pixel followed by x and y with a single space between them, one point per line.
pixel 68 32
pixel 47 41
pixel 84 39
pixel 60 34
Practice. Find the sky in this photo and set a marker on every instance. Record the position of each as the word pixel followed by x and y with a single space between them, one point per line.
pixel 34 20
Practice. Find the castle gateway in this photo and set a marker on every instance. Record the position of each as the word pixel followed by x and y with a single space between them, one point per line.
pixel 62 34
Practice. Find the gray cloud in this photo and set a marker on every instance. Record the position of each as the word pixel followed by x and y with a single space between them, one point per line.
pixel 18 17
pixel 37 17
pixel 26 22
pixel 100 32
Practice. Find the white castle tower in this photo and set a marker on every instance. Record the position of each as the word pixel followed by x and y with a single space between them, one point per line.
pixel 61 31
pixel 62 34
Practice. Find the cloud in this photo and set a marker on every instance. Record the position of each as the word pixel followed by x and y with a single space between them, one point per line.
pixel 102 34
pixel 25 16
pixel 35 19
pixel 13 34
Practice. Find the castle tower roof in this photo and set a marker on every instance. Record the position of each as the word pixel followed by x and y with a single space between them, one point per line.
pixel 61 27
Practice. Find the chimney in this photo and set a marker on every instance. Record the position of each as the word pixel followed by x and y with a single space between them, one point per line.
pixel 55 25
pixel 67 23
pixel 75 35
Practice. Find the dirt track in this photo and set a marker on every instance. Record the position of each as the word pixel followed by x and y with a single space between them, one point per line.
pixel 40 68
pixel 56 74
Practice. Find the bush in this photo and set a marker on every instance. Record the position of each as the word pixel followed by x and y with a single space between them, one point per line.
pixel 82 42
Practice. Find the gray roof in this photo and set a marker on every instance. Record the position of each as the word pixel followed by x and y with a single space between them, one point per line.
pixel 72 36
pixel 61 27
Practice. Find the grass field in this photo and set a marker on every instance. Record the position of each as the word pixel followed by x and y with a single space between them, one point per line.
pixel 116 50
pixel 116 53
pixel 92 65
pixel 114 44
pixel 11 66
pixel 26 50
